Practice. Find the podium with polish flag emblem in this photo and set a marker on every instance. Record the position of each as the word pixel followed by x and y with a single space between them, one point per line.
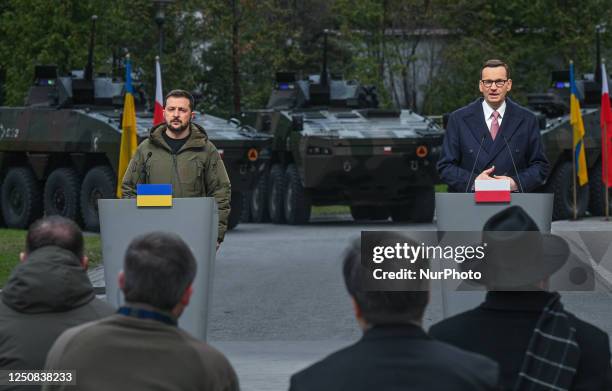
pixel 469 212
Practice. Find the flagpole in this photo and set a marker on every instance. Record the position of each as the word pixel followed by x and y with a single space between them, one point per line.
pixel 605 160
pixel 574 173
pixel 604 144
pixel 574 177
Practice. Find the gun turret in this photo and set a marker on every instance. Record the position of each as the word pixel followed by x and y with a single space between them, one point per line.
pixel 320 91
pixel 88 74
pixel 80 87
pixel 83 89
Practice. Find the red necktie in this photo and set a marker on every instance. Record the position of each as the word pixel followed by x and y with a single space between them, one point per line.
pixel 494 124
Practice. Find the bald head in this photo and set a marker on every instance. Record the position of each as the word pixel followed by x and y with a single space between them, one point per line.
pixel 55 231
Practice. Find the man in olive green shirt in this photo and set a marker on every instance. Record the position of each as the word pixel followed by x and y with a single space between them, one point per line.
pixel 179 152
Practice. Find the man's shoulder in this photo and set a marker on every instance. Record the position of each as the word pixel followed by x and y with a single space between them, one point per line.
pixel 418 354
pixel 146 144
pixel 519 110
pixel 459 358
pixel 467 109
pixel 452 325
pixel 335 364
pixel 207 353
pixel 121 326
pixel 85 330
pixel 589 334
pixel 101 307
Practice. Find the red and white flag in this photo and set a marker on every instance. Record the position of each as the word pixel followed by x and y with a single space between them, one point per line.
pixel 492 190
pixel 606 129
pixel 158 112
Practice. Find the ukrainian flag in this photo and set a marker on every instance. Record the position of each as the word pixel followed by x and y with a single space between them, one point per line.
pixel 154 195
pixel 129 142
pixel 578 126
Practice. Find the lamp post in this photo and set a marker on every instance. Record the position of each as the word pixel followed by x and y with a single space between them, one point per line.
pixel 160 18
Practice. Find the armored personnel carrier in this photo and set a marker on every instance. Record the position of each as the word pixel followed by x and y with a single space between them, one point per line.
pixel 59 152
pixel 557 133
pixel 332 145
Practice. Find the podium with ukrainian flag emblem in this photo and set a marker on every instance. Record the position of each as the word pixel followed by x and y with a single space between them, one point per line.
pixel 195 220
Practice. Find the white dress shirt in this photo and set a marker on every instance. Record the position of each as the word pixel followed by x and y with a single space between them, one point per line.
pixel 488 113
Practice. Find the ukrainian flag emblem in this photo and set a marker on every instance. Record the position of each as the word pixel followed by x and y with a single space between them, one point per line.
pixel 154 195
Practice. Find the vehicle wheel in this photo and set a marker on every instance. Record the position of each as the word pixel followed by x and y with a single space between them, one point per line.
pixel 424 205
pixel 245 216
pixel 61 194
pixel 99 183
pixel 359 212
pixel 21 199
pixel 419 209
pixel 402 213
pixel 369 212
pixel 276 194
pixel 561 185
pixel 2 223
pixel 259 204
pixel 297 201
pixel 236 210
pixel 379 213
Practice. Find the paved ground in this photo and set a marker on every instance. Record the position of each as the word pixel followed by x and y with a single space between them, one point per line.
pixel 279 302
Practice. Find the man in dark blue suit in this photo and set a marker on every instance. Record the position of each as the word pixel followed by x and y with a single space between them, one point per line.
pixel 481 136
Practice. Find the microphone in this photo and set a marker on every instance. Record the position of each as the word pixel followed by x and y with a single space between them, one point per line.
pixel 144 169
pixel 475 162
pixel 513 165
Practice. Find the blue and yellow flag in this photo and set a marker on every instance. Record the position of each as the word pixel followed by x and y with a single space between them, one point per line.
pixel 129 142
pixel 154 195
pixel 578 126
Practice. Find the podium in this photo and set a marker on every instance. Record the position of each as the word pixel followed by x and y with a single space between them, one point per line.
pixel 195 220
pixel 459 212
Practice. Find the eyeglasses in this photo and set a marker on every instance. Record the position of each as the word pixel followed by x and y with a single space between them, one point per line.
pixel 498 83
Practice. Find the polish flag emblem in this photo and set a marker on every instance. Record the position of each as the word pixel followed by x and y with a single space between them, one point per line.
pixel 492 190
pixel 387 150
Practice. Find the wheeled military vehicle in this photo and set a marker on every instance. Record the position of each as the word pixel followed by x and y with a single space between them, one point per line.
pixel 557 136
pixel 59 153
pixel 332 145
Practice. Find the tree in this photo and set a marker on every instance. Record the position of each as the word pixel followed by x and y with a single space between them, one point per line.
pixel 389 48
pixel 41 32
pixel 534 37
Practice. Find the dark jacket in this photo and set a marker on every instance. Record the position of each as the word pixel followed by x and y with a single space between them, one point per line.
pixel 502 326
pixel 465 131
pixel 45 295
pixel 398 358
pixel 127 353
pixel 196 170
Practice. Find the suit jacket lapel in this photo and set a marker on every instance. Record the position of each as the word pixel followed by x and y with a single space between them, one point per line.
pixel 477 125
pixel 509 126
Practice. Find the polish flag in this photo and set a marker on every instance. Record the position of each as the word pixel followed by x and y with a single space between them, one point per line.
pixel 158 113
pixel 606 130
pixel 492 190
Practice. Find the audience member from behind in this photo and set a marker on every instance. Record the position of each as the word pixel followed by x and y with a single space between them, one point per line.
pixel 47 293
pixel 394 352
pixel 141 347
pixel 537 343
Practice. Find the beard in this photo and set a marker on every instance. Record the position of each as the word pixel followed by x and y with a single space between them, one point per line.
pixel 177 129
